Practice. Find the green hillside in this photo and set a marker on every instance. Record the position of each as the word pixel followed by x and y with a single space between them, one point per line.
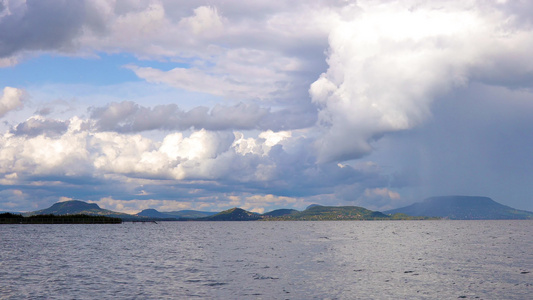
pixel 233 214
pixel 327 213
pixel 279 212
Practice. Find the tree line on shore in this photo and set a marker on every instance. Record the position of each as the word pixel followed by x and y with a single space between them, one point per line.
pixel 9 218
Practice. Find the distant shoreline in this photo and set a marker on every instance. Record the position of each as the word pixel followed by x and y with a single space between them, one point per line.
pixel 9 218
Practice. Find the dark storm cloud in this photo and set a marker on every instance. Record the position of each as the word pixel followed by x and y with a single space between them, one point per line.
pixel 478 143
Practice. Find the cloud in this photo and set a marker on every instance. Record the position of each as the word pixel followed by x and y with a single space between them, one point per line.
pixel 44 155
pixel 78 152
pixel 130 117
pixel 64 199
pixel 257 203
pixel 387 63
pixel 237 51
pixel 8 61
pixel 332 102
pixel 378 198
pixel 135 206
pixel 13 199
pixel 40 25
pixel 475 144
pixel 206 20
pixel 230 73
pixel 76 163
pixel 12 99
pixel 37 125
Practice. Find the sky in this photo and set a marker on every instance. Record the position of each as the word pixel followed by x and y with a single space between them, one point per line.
pixel 210 105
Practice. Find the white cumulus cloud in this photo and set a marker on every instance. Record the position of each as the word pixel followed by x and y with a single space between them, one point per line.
pixel 11 99
pixel 389 61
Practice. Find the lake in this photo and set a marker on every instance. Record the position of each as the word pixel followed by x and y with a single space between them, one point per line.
pixel 269 260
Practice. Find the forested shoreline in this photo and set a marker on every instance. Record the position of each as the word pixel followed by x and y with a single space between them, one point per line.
pixel 9 218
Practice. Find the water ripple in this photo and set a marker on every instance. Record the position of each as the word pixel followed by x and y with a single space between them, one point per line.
pixel 270 260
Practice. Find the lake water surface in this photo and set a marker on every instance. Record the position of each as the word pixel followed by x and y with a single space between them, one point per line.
pixel 269 260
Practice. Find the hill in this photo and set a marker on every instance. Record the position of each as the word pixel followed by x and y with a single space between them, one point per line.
pixel 326 213
pixel 463 208
pixel 312 205
pixel 152 213
pixel 11 212
pixel 76 207
pixel 190 214
pixel 181 214
pixel 279 212
pixel 234 214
